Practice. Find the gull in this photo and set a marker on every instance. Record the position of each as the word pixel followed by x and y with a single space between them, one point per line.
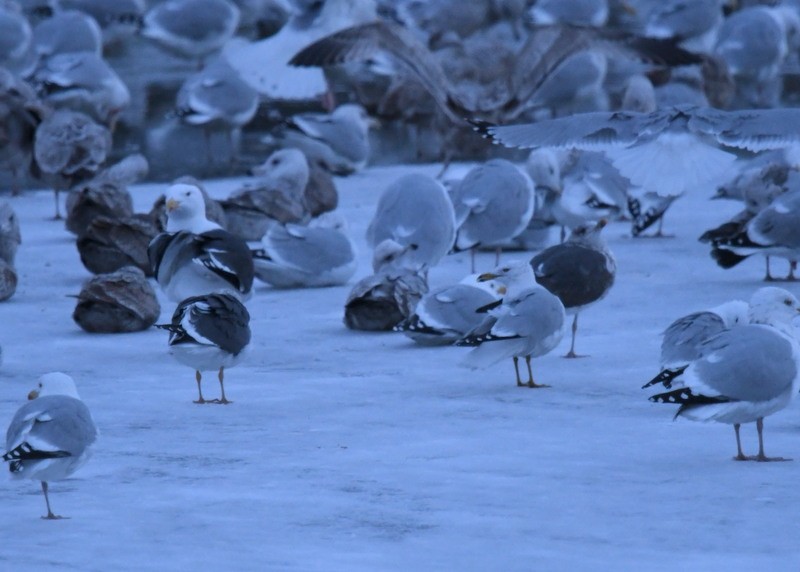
pixel 338 140
pixel 672 149
pixel 576 12
pixel 16 36
pixel 492 203
pixel 209 333
pixel 695 23
pixel 580 271
pixel 742 374
pixel 108 244
pixel 528 323
pixel 390 295
pixel 447 314
pixel 10 237
pixel 546 48
pixel 119 301
pixel 21 112
pixel 193 29
pixel 51 436
pixel 68 147
pixel 196 256
pixel 398 218
pixel 118 19
pixel 296 256
pixel 217 99
pixel 67 31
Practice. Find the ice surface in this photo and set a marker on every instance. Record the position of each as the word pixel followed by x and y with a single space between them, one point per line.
pixel 356 451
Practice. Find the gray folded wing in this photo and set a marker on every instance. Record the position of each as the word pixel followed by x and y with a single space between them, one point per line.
pixel 51 424
pixel 682 338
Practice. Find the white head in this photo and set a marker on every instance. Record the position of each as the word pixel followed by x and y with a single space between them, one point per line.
pixel 639 95
pixel 389 254
pixel 733 313
pixel 515 275
pixel 588 234
pixel 493 287
pixel 55 383
pixel 774 307
pixel 285 170
pixel 186 209
pixel 543 167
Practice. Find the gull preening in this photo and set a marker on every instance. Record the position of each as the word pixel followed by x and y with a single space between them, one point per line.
pixel 50 437
pixel 742 374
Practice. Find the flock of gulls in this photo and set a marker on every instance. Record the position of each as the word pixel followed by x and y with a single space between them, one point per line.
pixel 625 105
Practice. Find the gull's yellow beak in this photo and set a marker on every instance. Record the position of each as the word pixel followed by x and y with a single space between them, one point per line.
pixel 486 276
pixel 172 204
pixel 33 394
pixel 601 223
pixel 501 290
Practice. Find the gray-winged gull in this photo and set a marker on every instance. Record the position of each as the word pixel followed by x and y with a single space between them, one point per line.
pixel 195 256
pixel 493 203
pixel 209 333
pixel 398 217
pixel 528 323
pixel 695 23
pixel 683 338
pixel 50 437
pixel 390 295
pixel 192 29
pixel 742 374
pixel 338 140
pixel 580 271
pixel 447 314
pixel 67 31
pixel 774 231
pixel 216 99
pixel 672 149
pixel 296 256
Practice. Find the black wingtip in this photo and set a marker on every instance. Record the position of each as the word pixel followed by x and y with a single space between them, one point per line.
pixel 482 127
pixel 665 377
pixel 726 258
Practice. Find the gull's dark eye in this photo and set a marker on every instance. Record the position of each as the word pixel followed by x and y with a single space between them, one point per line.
pixel 788 302
pixel 506 269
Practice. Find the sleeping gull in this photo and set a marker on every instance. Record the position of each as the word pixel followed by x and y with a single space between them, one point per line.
pixel 107 244
pixel 447 314
pixel 398 217
pixel 528 323
pixel 195 256
pixel 192 29
pixel 580 271
pixel 50 437
pixel 742 374
pixel 209 333
pixel 338 140
pixel 390 295
pixel 492 203
pixel 296 256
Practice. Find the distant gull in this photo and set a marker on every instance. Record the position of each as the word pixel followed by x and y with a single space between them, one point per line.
pixel 193 29
pixel 264 64
pixel 742 374
pixel 15 36
pixel 774 231
pixel 216 99
pixel 118 19
pixel 447 314
pixel 493 203
pixel 107 244
pixel 575 12
pixel 546 48
pixel 276 194
pixel 10 236
pixel 338 140
pixel 21 111
pixel 695 23
pixel 397 217
pixel 528 323
pixel 209 333
pixel 117 302
pixel 683 338
pixel 68 147
pixel 8 280
pixel 580 271
pixel 673 149
pixel 195 256
pixel 390 295
pixel 296 256
pixel 647 208
pixel 67 31
pixel 50 437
